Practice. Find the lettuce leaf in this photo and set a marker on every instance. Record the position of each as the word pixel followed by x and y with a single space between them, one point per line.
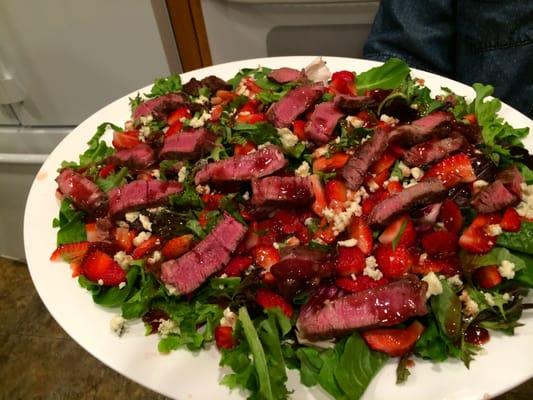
pixel 113 180
pixel 390 75
pixel 170 84
pixel 70 223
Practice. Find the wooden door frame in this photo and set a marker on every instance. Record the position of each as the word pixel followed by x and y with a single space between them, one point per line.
pixel 188 26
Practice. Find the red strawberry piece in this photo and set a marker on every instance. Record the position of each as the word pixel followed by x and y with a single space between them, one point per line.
pixel 329 164
pixel 487 277
pixel 384 163
pixel 98 265
pixel 351 261
pixel 242 149
pixel 371 201
pixel 216 113
pixel 320 195
pixel 440 242
pixel 393 341
pixel 146 247
pixel 447 266
pixel 125 140
pixel 471 118
pixel 377 180
pixel 452 170
pixel 177 246
pixel 70 252
pixel 392 232
pixel 483 220
pixel 394 187
pixel 268 278
pixel 237 266
pixel 224 337
pixel 251 106
pixel 510 221
pixel 362 282
pixel 325 232
pixel 343 82
pixel 253 87
pixel 182 112
pixel 174 129
pixel 360 231
pixel 298 127
pixel 336 193
pixel 106 170
pixel 268 299
pixel 124 239
pixel 451 217
pixel 212 201
pixel 244 118
pixel 94 234
pixel 393 263
pixel 475 238
pixel 265 256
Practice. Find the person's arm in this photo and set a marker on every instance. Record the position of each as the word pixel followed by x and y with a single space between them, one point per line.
pixel 421 32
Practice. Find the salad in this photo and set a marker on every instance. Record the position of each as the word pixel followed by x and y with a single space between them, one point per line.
pixel 303 219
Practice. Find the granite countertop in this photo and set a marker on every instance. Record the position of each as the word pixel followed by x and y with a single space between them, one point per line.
pixel 38 360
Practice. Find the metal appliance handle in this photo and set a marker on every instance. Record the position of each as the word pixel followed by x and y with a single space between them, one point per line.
pixel 21 158
pixel 290 2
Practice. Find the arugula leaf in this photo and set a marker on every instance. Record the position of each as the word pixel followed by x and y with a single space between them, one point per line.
pixel 98 149
pixel 259 133
pixel 390 75
pixel 187 198
pixel 170 84
pixel 134 102
pixel 239 75
pixel 194 226
pixel 446 308
pixel 71 224
pixel 433 345
pixel 139 303
pixel 521 241
pixel 113 180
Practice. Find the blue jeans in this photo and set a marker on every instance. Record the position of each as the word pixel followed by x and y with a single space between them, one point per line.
pixel 488 41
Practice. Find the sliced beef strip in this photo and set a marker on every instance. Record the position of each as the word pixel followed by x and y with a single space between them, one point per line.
pixel 365 155
pixel 493 198
pixel 301 263
pixel 192 87
pixel 159 107
pixel 433 150
pixel 140 157
pixel 322 122
pixel 214 83
pixel 419 130
pixel 209 256
pixel 260 163
pixel 83 192
pixel 512 179
pixel 353 104
pixel 286 75
pixel 287 189
pixel 423 192
pixel 188 145
pixel 283 112
pixel 141 194
pixel 383 306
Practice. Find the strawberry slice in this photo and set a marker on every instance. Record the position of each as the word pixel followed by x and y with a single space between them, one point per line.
pixel 212 201
pixel 244 118
pixel 125 140
pixel 447 266
pixel 336 193
pixel 343 82
pixel 174 129
pixel 237 266
pixel 451 217
pixel 362 282
pixel 351 260
pixel 224 337
pixel 392 231
pixel 182 112
pixel 98 265
pixel 452 170
pixel 333 163
pixel 124 239
pixel 384 163
pixel 94 234
pixel 394 187
pixel 487 277
pixel 475 238
pixel 393 341
pixel 268 299
pixel 216 113
pixel 146 247
pixel 320 196
pixel 360 231
pixel 70 252
pixel 371 201
pixel 177 246
pixel 325 232
pixel 440 242
pixel 242 149
pixel 298 127
pixel 106 170
pixel 393 263
pixel 265 256
pixel 510 221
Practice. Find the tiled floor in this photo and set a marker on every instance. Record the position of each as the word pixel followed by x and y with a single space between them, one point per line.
pixel 39 361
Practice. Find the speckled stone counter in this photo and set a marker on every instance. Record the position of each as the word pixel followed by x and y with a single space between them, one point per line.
pixel 39 361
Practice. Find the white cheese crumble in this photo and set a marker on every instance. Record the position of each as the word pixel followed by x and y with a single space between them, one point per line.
pixel 489 298
pixel 347 243
pixel 471 308
pixel 198 122
pixel 172 290
pixel 246 196
pixel 525 208
pixel 201 100
pixel 417 173
pixel 288 139
pixel 100 282
pixel 156 173
pixel 141 237
pixel 506 269
pixel 455 281
pixel 480 183
pixel 303 170
pixel 123 224
pixel 355 122
pixel 388 119
pixel 308 221
pixel 494 229
pixel 406 171
pixel 146 223
pixel 434 285
pixel 320 151
pixel 156 256
pixel 144 132
pixel 167 327
pixel 263 145
pixel 118 325
pixel 371 268
pixel 341 219
pixel 229 318
pixel 423 257
pixel 205 189
pixel 123 259
pixel 122 285
pixel 132 216
pixel 182 174
pixel 155 210
pixel 372 186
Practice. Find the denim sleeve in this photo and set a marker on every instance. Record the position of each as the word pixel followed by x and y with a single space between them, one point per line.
pixel 422 32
